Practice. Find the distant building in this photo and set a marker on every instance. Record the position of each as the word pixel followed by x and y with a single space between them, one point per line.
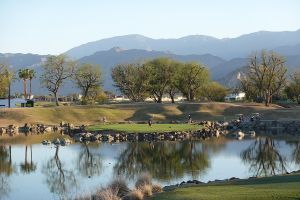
pixel 120 98
pixel 235 96
pixel 166 98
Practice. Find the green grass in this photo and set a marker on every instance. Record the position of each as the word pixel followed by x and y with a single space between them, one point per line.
pixel 143 128
pixel 278 187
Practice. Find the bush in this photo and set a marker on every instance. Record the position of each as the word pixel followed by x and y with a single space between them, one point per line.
pixel 106 194
pixel 146 190
pixel 144 179
pixel 156 188
pixel 135 194
pixel 120 186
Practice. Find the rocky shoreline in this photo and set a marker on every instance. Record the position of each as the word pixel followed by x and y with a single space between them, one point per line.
pixel 217 181
pixel 209 129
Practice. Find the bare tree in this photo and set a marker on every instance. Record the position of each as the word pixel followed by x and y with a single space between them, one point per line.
pixel 56 70
pixel 267 74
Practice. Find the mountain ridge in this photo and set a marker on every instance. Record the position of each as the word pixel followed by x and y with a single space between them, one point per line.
pixel 226 48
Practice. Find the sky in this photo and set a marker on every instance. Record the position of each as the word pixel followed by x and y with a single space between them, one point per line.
pixel 55 26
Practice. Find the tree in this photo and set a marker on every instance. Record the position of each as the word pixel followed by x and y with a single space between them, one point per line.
pixel 88 77
pixel 293 89
pixel 161 72
pixel 4 80
pixel 192 77
pixel 173 85
pixel 31 75
pixel 24 75
pixel 57 69
pixel 213 91
pixel 265 75
pixel 132 80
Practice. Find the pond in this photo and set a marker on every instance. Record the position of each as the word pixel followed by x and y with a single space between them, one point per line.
pixel 49 172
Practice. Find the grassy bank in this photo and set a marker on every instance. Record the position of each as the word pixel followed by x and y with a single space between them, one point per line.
pixel 277 187
pixel 143 128
pixel 140 112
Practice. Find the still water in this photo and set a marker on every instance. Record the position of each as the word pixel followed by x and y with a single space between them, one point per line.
pixel 47 172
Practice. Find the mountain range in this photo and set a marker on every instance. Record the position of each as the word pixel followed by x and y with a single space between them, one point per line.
pixel 226 48
pixel 224 57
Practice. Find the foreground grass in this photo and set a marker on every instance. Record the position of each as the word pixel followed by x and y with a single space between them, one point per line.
pixel 278 187
pixel 143 128
pixel 31 139
pixel 79 115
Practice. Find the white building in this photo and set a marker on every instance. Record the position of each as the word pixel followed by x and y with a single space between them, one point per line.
pixel 235 96
pixel 166 98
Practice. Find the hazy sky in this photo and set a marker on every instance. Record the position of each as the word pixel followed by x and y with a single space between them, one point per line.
pixel 54 26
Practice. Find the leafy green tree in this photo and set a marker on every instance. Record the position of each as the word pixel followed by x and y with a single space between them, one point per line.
pixel 293 89
pixel 4 80
pixel 161 72
pixel 173 85
pixel 193 76
pixel 213 91
pixel 132 80
pixel 56 70
pixel 265 76
pixel 88 77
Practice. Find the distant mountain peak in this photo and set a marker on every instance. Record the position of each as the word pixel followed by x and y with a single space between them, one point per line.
pixel 117 49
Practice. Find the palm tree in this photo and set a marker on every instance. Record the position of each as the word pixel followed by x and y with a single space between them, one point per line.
pixel 24 75
pixel 31 76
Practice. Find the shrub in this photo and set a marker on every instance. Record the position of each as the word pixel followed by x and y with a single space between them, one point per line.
pixel 135 194
pixel 146 190
pixel 120 186
pixel 106 194
pixel 156 188
pixel 144 179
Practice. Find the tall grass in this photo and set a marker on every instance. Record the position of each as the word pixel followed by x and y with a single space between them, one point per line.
pixel 119 190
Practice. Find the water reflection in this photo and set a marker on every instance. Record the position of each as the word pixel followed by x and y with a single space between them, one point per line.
pixel 296 151
pixel 264 157
pixel 59 179
pixel 6 169
pixel 163 160
pixel 28 167
pixel 56 172
pixel 89 163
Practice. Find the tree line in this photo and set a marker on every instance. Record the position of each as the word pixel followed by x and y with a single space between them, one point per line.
pixel 164 76
pixel 56 70
pixel 264 79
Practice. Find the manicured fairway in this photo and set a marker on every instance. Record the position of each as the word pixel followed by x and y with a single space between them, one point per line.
pixel 280 187
pixel 144 128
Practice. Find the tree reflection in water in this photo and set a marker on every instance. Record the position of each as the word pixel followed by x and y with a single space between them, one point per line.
pixel 6 169
pixel 28 167
pixel 89 163
pixel 264 157
pixel 295 156
pixel 59 180
pixel 163 160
